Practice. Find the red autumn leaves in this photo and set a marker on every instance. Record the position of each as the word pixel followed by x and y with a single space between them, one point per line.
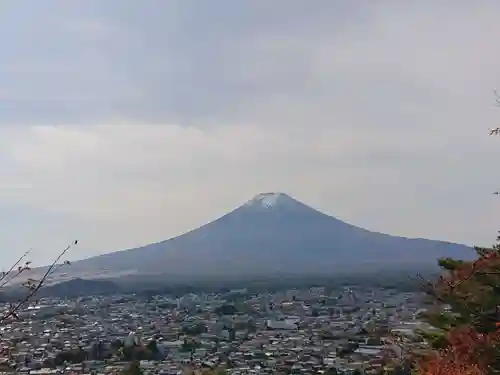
pixel 471 288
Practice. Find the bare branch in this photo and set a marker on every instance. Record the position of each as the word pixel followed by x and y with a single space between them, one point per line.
pixel 4 275
pixel 33 285
pixel 497 97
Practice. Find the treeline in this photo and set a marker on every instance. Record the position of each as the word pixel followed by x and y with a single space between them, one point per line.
pixel 402 279
pixel 100 351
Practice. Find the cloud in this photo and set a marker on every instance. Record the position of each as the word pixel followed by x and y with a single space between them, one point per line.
pixel 132 169
pixel 131 124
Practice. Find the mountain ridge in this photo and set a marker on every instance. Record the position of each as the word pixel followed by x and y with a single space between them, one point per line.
pixel 271 233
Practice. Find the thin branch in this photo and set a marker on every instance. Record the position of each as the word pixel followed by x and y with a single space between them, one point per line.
pixel 35 287
pixel 5 274
pixel 497 97
pixel 495 131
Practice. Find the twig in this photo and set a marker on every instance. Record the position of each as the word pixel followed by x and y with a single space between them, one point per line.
pixel 5 274
pixel 34 288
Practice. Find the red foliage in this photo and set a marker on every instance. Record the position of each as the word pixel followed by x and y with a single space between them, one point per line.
pixel 460 275
pixel 469 352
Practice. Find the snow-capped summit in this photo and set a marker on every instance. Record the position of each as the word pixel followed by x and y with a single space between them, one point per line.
pixel 274 202
pixel 269 200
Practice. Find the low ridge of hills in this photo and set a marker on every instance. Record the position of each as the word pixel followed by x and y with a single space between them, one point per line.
pixel 73 288
pixel 272 234
pixel 78 287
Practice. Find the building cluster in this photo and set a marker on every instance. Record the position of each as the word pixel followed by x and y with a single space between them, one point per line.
pixel 315 330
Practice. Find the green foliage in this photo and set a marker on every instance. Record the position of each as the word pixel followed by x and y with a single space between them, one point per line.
pixel 331 371
pixel 152 346
pixel 189 345
pixel 471 289
pixel 116 344
pixel 450 264
pixel 472 292
pixel 133 369
pixel 70 356
pixel 195 329
pixel 226 310
pixel 443 320
pixel 327 335
pixel 137 353
pixel 437 340
pixel 403 369
pixel 348 349
pixel 97 351
pixel 374 341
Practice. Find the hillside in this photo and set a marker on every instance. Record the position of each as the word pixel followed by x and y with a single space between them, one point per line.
pixel 79 287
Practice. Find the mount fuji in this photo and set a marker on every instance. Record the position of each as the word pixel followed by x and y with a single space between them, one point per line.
pixel 271 234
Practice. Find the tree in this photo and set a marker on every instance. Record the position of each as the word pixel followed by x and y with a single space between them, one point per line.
pixel 226 309
pixel 195 329
pixel 136 353
pixel 215 371
pixel 133 369
pixel 32 286
pixel 116 344
pixel 70 356
pixel 189 345
pixel 468 342
pixel 153 346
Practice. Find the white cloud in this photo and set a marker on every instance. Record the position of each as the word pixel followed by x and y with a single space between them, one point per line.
pixel 377 114
pixel 159 180
pixel 114 170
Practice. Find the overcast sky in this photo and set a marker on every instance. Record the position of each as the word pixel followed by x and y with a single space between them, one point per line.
pixel 127 122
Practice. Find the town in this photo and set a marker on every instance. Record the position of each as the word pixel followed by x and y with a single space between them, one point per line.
pixel 344 330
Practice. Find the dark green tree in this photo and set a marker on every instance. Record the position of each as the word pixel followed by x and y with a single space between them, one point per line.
pixel 116 344
pixel 226 310
pixel 71 356
pixel 153 346
pixel 133 368
pixel 331 371
pixel 195 329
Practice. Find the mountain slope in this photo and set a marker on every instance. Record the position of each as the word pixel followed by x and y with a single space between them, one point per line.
pixel 78 287
pixel 273 233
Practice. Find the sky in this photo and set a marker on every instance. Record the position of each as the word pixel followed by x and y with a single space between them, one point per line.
pixel 124 123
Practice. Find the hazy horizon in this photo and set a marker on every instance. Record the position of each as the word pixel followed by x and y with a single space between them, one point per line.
pixel 126 123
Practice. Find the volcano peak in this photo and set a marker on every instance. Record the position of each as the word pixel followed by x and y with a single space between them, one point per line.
pixel 269 200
